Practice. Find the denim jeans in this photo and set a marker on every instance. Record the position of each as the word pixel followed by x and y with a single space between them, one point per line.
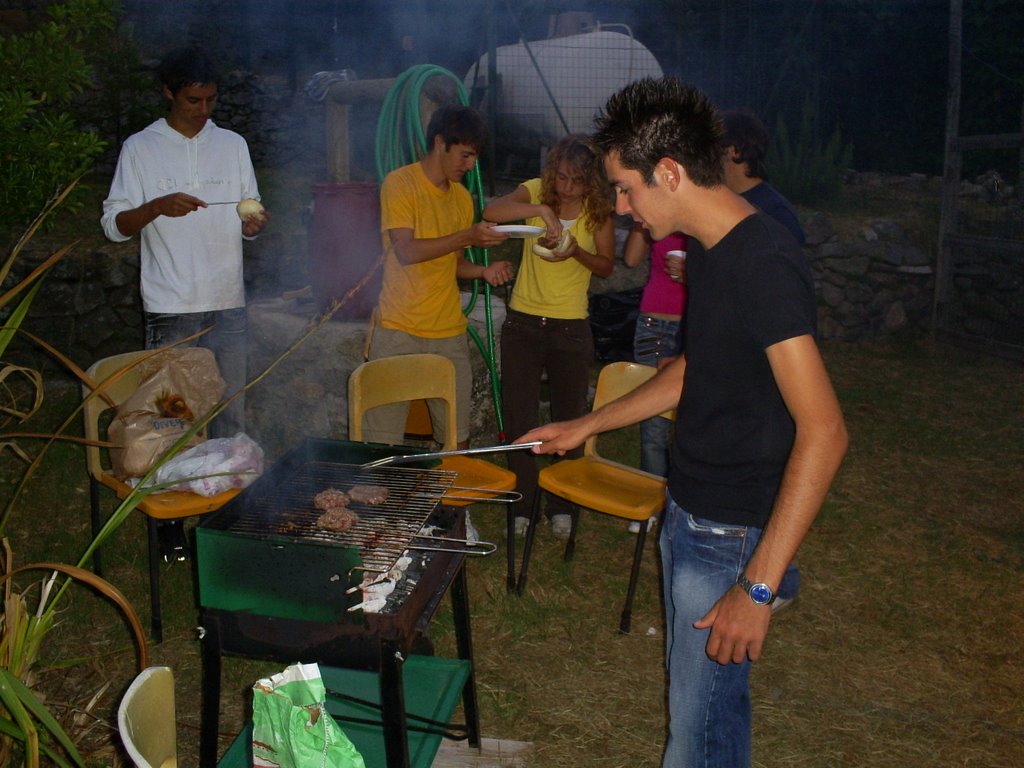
pixel 708 702
pixel 227 341
pixel 655 338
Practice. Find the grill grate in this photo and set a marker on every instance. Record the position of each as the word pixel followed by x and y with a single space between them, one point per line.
pixel 383 531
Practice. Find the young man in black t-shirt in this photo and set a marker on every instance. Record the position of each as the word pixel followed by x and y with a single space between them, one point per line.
pixel 759 432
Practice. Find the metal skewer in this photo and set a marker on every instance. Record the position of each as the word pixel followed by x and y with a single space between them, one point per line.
pixel 415 457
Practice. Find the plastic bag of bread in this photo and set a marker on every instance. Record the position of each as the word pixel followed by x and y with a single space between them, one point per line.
pixel 177 386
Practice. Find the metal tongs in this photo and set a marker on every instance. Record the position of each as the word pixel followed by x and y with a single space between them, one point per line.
pixel 412 458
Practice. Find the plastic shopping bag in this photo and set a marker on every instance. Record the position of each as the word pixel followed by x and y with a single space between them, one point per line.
pixel 212 467
pixel 291 727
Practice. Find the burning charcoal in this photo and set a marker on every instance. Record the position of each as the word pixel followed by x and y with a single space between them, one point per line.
pixel 368 494
pixel 330 499
pixel 338 519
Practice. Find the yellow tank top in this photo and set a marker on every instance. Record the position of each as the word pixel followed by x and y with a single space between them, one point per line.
pixel 553 289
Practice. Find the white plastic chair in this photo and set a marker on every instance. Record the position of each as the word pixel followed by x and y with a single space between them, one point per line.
pixel 146 719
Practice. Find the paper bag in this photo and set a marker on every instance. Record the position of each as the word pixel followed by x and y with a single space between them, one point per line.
pixel 291 727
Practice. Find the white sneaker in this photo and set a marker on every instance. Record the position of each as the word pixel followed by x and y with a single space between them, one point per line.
pixel 561 526
pixel 522 525
pixel 634 527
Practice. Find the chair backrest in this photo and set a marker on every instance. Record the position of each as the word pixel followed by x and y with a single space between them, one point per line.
pixel 146 719
pixel 614 381
pixel 398 379
pixel 116 378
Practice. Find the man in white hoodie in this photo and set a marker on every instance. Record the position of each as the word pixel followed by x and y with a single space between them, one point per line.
pixel 177 183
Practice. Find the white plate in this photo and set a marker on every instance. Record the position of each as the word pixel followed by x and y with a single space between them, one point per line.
pixel 519 230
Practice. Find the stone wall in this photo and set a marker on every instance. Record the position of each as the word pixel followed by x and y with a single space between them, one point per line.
pixel 873 285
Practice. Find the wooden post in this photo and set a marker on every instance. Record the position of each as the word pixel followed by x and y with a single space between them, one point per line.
pixel 339 167
pixel 344 93
pixel 1020 163
pixel 952 167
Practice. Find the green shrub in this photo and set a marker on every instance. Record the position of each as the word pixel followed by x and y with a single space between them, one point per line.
pixel 805 170
pixel 43 141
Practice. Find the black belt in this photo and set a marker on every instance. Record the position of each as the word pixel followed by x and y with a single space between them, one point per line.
pixel 543 321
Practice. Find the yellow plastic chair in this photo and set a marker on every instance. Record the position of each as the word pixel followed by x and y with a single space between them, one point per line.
pixel 405 378
pixel 116 378
pixel 146 719
pixel 602 485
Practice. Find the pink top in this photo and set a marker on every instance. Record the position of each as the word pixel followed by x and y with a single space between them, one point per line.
pixel 662 295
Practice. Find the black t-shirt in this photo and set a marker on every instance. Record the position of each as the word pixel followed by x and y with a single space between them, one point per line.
pixel 733 432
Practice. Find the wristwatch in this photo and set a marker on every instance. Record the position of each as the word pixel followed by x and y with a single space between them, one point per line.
pixel 760 593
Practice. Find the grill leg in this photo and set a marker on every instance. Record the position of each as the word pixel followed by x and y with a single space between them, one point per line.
pixel 392 699
pixel 209 720
pixel 464 641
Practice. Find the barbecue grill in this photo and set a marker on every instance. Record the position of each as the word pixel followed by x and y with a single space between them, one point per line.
pixel 274 585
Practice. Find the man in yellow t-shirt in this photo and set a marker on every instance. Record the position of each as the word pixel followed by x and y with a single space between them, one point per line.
pixel 426 225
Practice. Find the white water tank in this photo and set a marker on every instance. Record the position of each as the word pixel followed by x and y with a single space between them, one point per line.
pixel 580 72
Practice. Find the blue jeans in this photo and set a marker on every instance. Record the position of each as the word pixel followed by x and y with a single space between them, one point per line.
pixel 227 341
pixel 655 338
pixel 708 702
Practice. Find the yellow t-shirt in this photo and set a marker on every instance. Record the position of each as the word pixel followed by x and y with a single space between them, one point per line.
pixel 422 299
pixel 553 289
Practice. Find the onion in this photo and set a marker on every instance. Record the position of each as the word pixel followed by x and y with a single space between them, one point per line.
pixel 248 208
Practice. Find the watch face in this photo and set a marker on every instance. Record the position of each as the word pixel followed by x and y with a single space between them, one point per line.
pixel 761 594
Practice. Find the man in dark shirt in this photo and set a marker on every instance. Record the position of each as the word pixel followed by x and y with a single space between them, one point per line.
pixel 745 147
pixel 759 433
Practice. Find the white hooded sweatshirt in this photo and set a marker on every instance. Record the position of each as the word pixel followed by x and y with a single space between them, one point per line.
pixel 192 263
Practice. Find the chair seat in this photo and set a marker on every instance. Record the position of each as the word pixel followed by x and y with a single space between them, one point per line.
pixel 606 487
pixel 171 505
pixel 479 475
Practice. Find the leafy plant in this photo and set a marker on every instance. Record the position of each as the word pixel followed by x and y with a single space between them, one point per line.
pixel 804 169
pixel 43 142
pixel 23 715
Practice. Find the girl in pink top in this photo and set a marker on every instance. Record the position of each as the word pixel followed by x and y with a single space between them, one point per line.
pixel 657 333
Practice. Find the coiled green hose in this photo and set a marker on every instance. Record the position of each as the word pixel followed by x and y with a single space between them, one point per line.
pixel 400 141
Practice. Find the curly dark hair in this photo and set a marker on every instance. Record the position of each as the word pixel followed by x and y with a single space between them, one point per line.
pixel 745 131
pixel 652 118
pixel 577 150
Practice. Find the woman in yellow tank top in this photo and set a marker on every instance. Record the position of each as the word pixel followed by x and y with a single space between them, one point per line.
pixel 546 330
